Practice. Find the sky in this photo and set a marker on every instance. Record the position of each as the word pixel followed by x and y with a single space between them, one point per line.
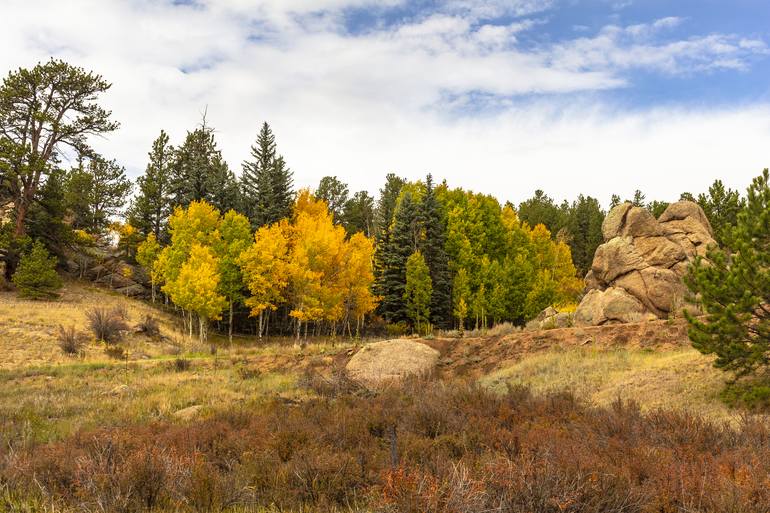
pixel 597 97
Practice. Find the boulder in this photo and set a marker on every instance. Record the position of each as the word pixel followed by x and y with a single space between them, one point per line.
pixel 637 273
pixel 391 360
pixel 615 258
pixel 686 209
pixel 607 306
pixel 614 221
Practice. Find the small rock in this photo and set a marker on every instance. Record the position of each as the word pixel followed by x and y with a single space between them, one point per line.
pixel 188 413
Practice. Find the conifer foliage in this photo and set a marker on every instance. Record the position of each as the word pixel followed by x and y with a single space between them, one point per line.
pixel 36 276
pixel 733 288
pixel 266 182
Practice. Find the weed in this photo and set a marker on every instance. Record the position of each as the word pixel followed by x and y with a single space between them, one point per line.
pixel 107 325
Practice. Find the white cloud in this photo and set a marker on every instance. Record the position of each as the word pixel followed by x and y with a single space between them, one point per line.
pixel 359 106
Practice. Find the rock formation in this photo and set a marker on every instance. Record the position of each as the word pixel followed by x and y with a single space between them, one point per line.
pixel 637 273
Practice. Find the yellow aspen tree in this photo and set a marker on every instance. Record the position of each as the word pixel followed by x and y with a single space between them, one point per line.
pixel 234 238
pixel 265 269
pixel 196 287
pixel 356 278
pixel 147 255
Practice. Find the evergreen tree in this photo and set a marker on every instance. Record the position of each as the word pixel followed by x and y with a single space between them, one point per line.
pixel 36 276
pixel 152 205
pixel 386 206
pixel 358 214
pixel 432 247
pixel 401 243
pixel 46 217
pixel 733 287
pixel 335 193
pixel 418 290
pixel 614 201
pixel 96 192
pixel 200 173
pixel 541 209
pixel 584 225
pixel 657 207
pixel 721 206
pixel 638 199
pixel 266 182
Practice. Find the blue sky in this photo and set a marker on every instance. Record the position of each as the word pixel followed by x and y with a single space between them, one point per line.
pixel 571 96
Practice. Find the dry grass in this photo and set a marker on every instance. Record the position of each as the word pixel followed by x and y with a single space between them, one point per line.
pixel 679 378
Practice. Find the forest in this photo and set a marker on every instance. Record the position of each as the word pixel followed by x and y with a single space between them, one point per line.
pixel 252 253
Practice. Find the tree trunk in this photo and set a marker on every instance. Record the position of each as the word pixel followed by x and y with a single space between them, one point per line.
pixel 21 216
pixel 230 325
pixel 202 329
pixel 259 326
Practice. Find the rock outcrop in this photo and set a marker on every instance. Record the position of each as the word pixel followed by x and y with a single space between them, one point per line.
pixel 637 273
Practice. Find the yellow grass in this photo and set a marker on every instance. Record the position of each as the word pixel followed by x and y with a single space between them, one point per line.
pixel 675 378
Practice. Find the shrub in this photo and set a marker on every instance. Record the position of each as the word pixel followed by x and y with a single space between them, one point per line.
pixel 116 352
pixel 149 326
pixel 106 325
pixel 36 276
pixel 182 364
pixel 70 340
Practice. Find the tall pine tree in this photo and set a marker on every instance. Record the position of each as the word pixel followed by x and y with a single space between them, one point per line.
pixel 433 248
pixel 266 182
pixel 152 205
pixel 401 243
pixel 200 173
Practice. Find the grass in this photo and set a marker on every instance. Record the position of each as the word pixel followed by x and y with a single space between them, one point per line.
pixel 677 378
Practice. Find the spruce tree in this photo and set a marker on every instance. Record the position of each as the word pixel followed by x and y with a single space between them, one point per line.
pixel 584 225
pixel 721 205
pixel 36 276
pixel 200 173
pixel 152 205
pixel 383 219
pixel 432 246
pixel 733 288
pixel 401 243
pixel 358 214
pixel 266 182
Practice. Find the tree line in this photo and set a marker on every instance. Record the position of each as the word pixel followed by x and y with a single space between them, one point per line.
pixel 250 245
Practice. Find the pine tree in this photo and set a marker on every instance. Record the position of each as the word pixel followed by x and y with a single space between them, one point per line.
pixel 418 290
pixel 401 243
pixel 541 209
pixel 152 205
pixel 432 247
pixel 584 225
pixel 200 173
pixel 95 192
pixel 721 205
pixel 36 275
pixel 266 182
pixel 383 220
pixel 733 286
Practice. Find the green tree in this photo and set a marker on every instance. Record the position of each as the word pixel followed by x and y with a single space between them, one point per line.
pixel 721 206
pixel 235 233
pixel 152 205
pixel 266 182
pixel 584 225
pixel 335 193
pixel 540 209
pixel 36 276
pixel 432 247
pixel 418 290
pixel 46 219
pixel 358 214
pixel 43 110
pixel 657 207
pixel 639 199
pixel 460 296
pixel 733 286
pixel 401 243
pixel 146 255
pixel 200 173
pixel 96 192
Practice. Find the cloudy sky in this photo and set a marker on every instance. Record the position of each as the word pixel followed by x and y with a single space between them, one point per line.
pixel 503 97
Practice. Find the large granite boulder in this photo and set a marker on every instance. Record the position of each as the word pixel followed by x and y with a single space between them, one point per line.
pixel 637 273
pixel 391 360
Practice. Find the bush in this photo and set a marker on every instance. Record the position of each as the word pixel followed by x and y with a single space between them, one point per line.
pixel 116 352
pixel 36 276
pixel 149 326
pixel 106 325
pixel 71 341
pixel 182 364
